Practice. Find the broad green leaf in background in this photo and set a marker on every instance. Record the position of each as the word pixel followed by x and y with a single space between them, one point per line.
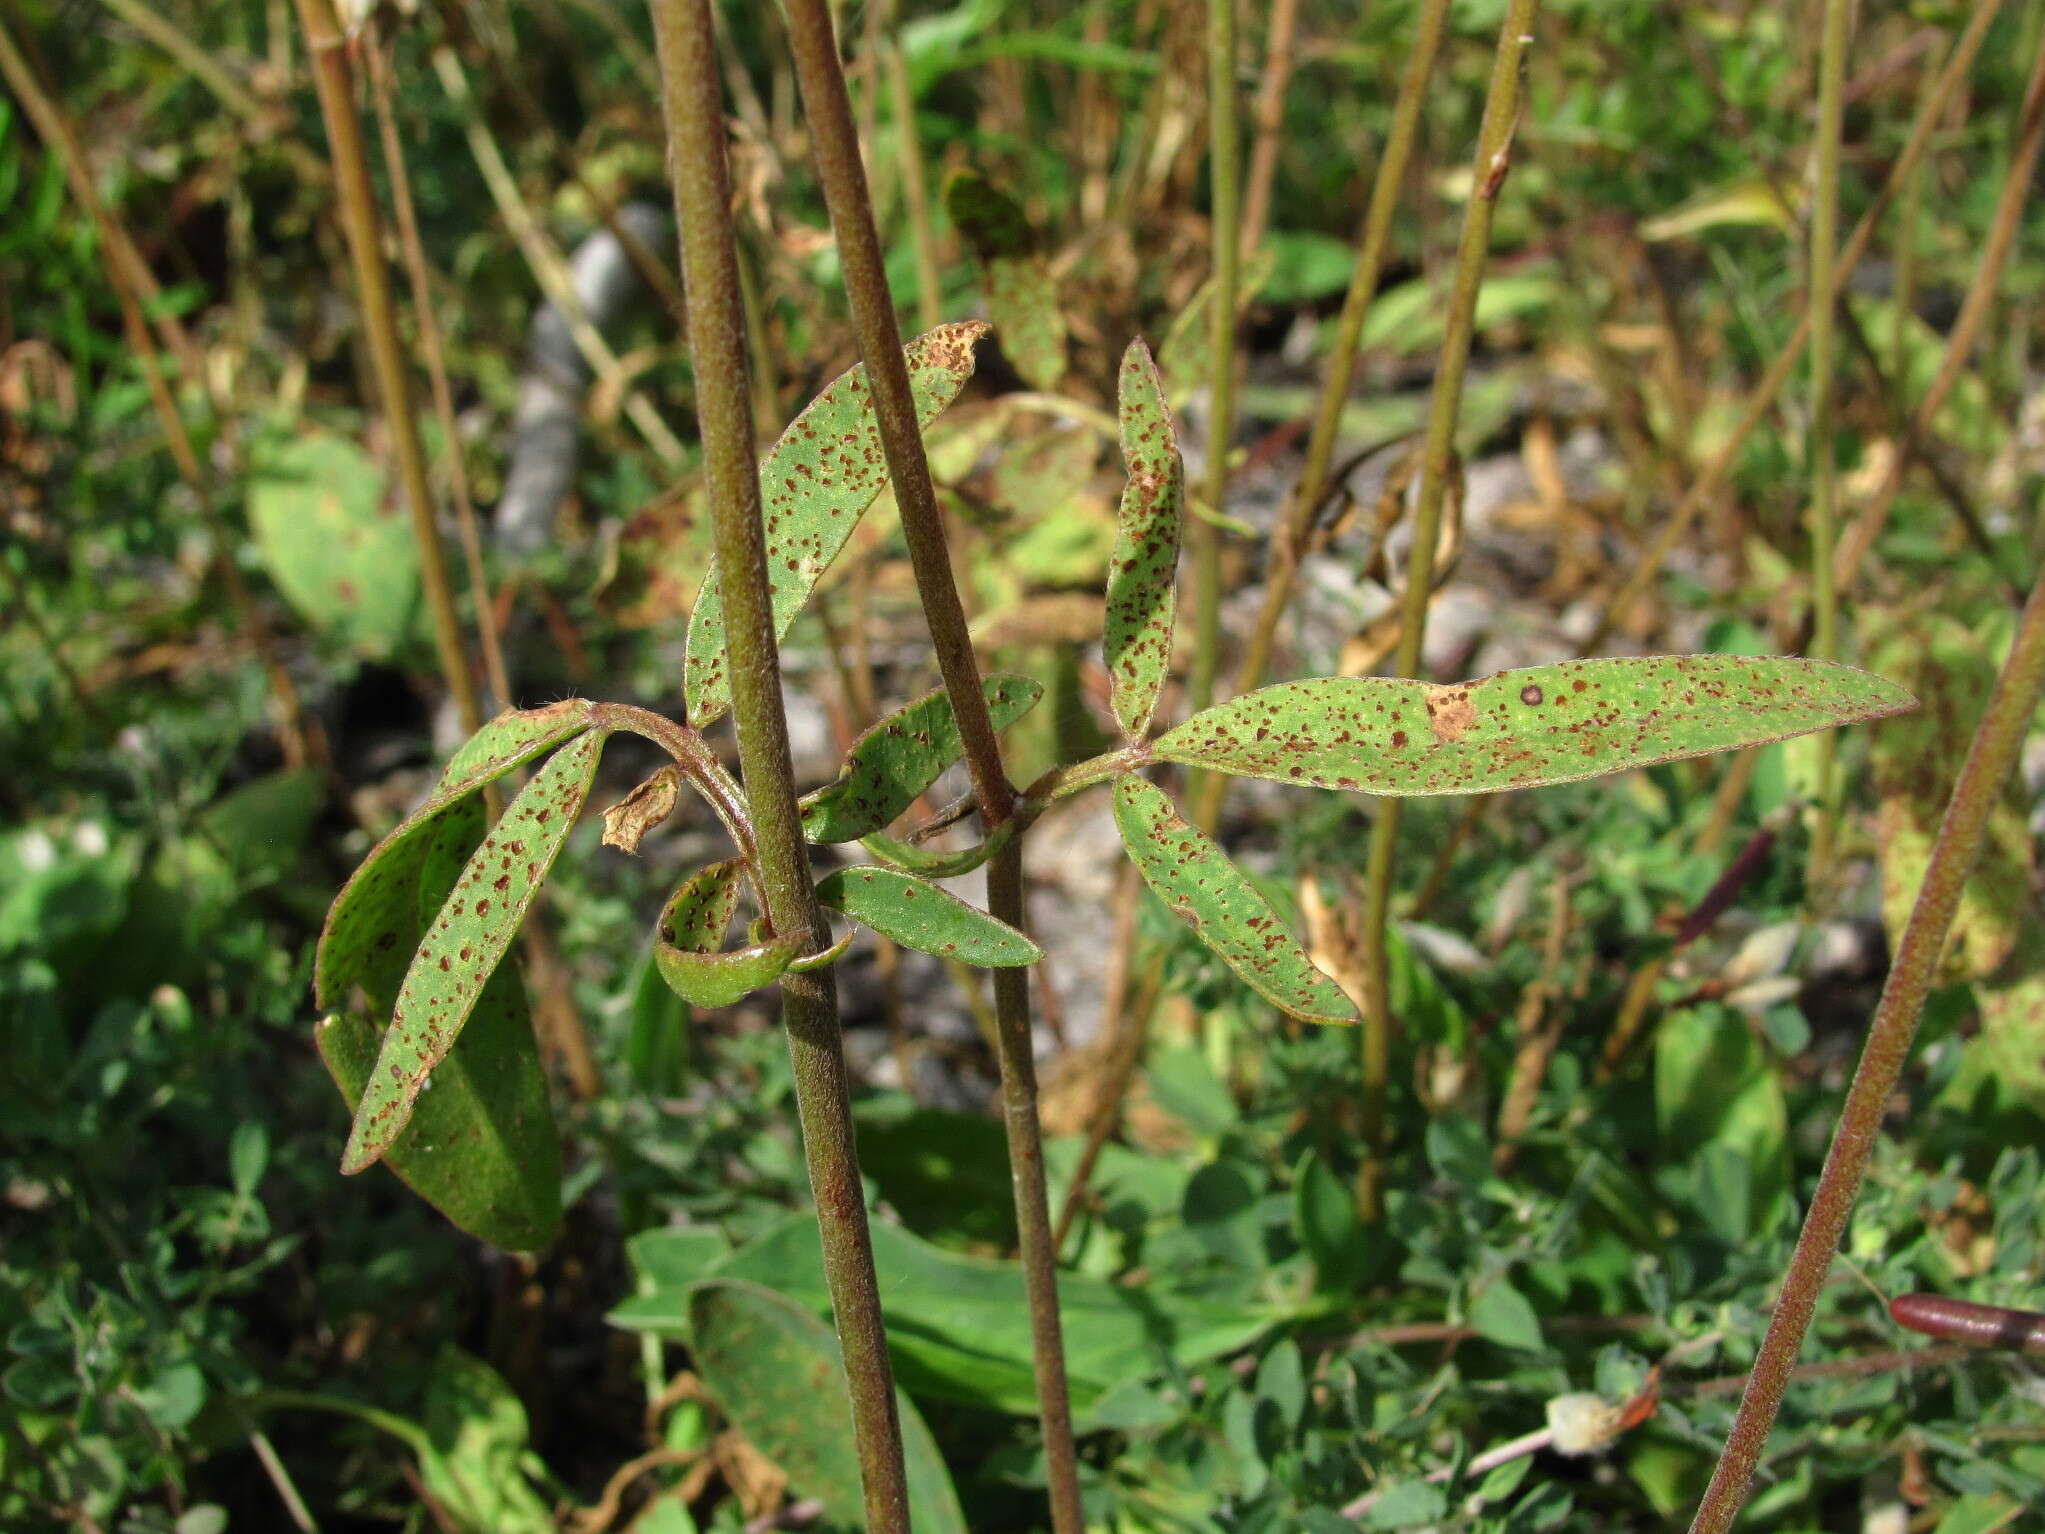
pixel 463 945
pixel 1182 357
pixel 814 484
pixel 917 914
pixel 481 1147
pixel 1915 761
pixel 339 549
pixel 958 1328
pixel 1022 298
pixel 1195 878
pixel 1137 638
pixel 777 1372
pixel 1520 729
pixel 1715 1085
pixel 478 1439
pixel 357 945
pixel 900 757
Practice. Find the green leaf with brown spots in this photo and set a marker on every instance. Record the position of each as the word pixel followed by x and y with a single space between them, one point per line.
pixel 1022 297
pixel 481 1146
pixel 365 939
pixel 939 863
pixel 1136 639
pixel 464 943
pixel 690 955
pixel 776 1371
pixel 1210 894
pixel 698 913
pixel 917 914
pixel 815 484
pixel 900 757
pixel 1521 729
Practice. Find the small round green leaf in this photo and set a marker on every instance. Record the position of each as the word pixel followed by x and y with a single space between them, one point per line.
pixel 1210 894
pixel 1137 638
pixel 900 757
pixel 1522 729
pixel 917 914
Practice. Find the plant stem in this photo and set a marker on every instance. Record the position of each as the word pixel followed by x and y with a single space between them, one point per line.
pixel 1312 488
pixel 915 188
pixel 1982 778
pixel 1270 119
pixel 839 169
pixel 1494 156
pixel 357 207
pixel 1823 461
pixel 1223 173
pixel 692 98
pixel 204 67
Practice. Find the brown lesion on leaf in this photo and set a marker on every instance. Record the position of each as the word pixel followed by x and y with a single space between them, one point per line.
pixel 1450 713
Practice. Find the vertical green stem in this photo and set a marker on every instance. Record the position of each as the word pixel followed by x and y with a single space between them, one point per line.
pixel 836 147
pixel 1494 157
pixel 1981 781
pixel 1223 181
pixel 1824 467
pixel 687 47
pixel 915 188
pixel 1363 282
pixel 356 202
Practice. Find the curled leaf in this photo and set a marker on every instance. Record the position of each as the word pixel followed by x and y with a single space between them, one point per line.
pixel 1194 877
pixel 900 757
pixel 1137 635
pixel 814 485
pixel 936 863
pixel 698 913
pixel 1521 729
pixel 721 978
pixel 465 942
pixel 917 914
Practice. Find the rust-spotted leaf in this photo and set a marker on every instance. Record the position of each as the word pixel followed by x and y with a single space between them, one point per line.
pixel 690 953
pixel 900 757
pixel 1212 896
pixel 939 862
pixel 364 937
pixel 917 914
pixel 697 914
pixel 1521 729
pixel 815 484
pixel 1022 296
pixel 465 941
pixel 1136 639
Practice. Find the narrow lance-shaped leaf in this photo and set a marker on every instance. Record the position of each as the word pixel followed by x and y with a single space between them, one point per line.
pixel 1137 639
pixel 939 862
pixel 370 929
pixel 690 954
pixel 900 757
pixel 1210 894
pixel 917 914
pixel 815 484
pixel 464 943
pixel 1520 729
pixel 481 1146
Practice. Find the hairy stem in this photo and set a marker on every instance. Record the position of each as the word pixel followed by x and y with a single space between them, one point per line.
pixel 1493 158
pixel 334 81
pixel 1982 778
pixel 686 42
pixel 836 146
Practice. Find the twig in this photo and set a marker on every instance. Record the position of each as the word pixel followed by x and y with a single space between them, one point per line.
pixel 1270 120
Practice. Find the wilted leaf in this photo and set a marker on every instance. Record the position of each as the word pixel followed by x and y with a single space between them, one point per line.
pixel 337 547
pixel 917 914
pixel 814 484
pixel 900 757
pixel 1520 729
pixel 646 806
pixel 481 1146
pixel 1916 760
pixel 1137 639
pixel 1022 298
pixel 777 1372
pixel 463 945
pixel 1195 878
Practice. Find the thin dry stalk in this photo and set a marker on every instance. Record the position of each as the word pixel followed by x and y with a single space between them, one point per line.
pixel 1269 115
pixel 915 187
pixel 1488 172
pixel 1203 536
pixel 1539 1025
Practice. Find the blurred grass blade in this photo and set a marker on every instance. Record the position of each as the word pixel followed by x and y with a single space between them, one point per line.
pixel 1022 297
pixel 1211 895
pixel 463 946
pixel 917 914
pixel 900 757
pixel 815 484
pixel 776 1371
pixel 1521 729
pixel 1137 640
